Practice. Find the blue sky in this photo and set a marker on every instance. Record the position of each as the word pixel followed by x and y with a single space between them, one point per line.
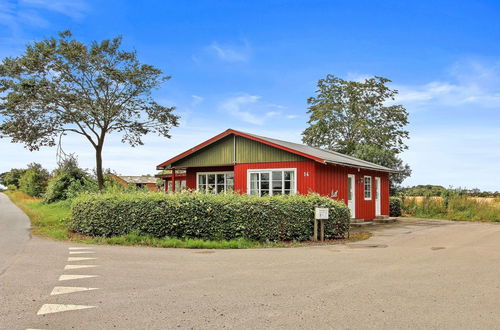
pixel 251 65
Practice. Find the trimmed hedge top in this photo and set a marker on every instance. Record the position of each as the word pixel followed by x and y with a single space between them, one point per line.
pixel 206 216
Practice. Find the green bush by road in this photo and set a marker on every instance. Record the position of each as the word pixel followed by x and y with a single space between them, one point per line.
pixel 205 216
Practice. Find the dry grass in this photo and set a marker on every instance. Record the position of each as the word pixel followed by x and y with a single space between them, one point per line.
pixel 455 207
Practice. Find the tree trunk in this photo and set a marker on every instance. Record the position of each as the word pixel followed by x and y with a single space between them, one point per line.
pixel 98 169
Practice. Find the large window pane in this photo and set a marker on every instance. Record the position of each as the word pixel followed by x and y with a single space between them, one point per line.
pixel 275 182
pixel 229 181
pixel 264 176
pixel 215 182
pixel 254 183
pixel 264 185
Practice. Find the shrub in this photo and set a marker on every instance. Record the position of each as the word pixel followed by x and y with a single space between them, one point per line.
pixel 34 180
pixel 66 175
pixel 395 207
pixel 205 216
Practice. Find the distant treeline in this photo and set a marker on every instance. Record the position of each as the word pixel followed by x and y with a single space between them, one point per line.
pixel 433 190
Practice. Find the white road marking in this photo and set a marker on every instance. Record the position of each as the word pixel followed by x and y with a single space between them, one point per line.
pixel 69 289
pixel 56 308
pixel 74 277
pixel 80 258
pixel 78 248
pixel 78 266
pixel 80 252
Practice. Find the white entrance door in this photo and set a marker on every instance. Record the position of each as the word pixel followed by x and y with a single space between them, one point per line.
pixel 351 194
pixel 377 196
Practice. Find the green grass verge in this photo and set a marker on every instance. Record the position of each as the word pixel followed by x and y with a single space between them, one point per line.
pixel 51 220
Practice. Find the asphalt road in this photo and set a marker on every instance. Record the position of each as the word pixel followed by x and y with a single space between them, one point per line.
pixel 412 275
pixel 14 231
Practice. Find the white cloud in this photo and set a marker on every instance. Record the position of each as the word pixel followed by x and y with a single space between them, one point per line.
pixel 359 77
pixel 250 109
pixel 469 83
pixel 75 9
pixel 29 12
pixel 235 105
pixel 231 53
pixel 196 99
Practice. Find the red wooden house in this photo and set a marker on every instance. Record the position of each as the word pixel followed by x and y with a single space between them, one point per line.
pixel 258 165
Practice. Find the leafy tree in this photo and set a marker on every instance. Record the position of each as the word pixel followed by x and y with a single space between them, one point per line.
pixel 12 177
pixel 60 86
pixel 34 180
pixel 358 119
pixel 386 158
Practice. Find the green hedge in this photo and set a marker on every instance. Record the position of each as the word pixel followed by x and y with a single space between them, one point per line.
pixel 205 216
pixel 395 205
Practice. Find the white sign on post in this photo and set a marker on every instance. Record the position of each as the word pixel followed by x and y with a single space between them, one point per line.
pixel 321 213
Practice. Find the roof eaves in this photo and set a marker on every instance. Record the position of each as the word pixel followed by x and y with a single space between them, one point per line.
pixel 380 169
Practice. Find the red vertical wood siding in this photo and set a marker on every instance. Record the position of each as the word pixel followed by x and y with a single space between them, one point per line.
pixel 331 178
pixel 313 177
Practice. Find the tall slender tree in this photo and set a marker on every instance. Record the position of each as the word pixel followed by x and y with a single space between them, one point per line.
pixel 61 86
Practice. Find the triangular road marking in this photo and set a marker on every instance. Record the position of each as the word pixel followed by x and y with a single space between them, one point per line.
pixel 80 252
pixel 80 258
pixel 56 308
pixel 79 266
pixel 69 289
pixel 74 277
pixel 78 248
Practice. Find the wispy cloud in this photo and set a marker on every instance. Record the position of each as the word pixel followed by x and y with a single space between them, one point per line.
pixel 196 99
pixel 469 83
pixel 251 109
pixel 230 53
pixel 15 15
pixel 76 9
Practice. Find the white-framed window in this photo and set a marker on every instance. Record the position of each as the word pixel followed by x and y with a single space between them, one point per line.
pixel 264 182
pixel 179 185
pixel 368 187
pixel 215 182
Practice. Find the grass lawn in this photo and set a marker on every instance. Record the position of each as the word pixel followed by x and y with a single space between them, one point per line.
pixel 51 220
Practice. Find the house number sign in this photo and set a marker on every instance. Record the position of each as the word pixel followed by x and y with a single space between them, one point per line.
pixel 321 213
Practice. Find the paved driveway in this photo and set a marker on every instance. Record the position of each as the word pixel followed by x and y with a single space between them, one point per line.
pixel 412 275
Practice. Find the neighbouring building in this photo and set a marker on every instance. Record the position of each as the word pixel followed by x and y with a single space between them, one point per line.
pixel 258 165
pixel 143 181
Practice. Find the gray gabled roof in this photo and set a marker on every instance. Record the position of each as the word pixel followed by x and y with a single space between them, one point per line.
pixel 138 179
pixel 326 155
